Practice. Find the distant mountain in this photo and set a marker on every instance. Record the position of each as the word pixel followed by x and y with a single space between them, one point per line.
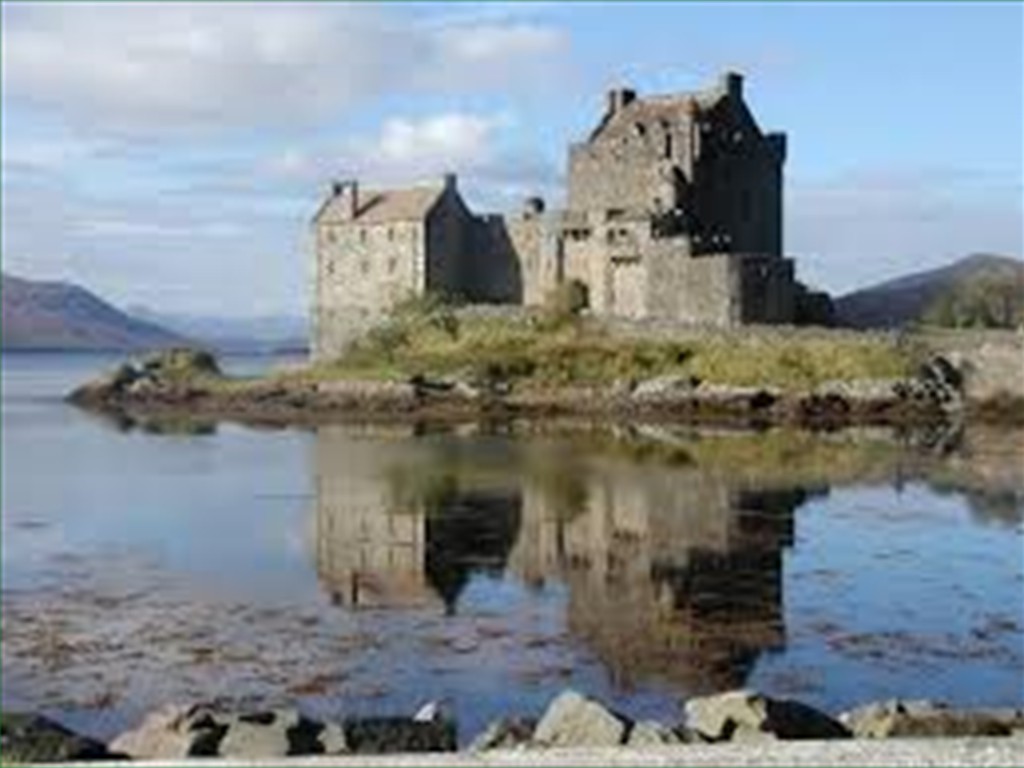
pixel 264 333
pixel 965 292
pixel 64 316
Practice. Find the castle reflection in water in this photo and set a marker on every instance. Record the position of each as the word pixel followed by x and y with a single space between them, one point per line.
pixel 672 572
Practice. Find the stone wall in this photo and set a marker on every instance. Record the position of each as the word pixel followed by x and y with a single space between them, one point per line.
pixel 699 291
pixel 768 289
pixel 449 248
pixel 736 190
pixel 361 271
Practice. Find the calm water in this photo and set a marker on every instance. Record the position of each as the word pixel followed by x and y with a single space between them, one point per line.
pixel 369 570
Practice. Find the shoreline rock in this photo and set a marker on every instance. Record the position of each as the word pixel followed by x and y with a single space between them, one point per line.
pixel 188 383
pixel 571 720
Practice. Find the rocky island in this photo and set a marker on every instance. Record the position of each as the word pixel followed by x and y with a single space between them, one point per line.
pixel 430 361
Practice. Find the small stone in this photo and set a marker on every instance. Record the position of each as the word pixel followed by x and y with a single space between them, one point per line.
pixel 648 733
pixel 332 740
pixel 505 733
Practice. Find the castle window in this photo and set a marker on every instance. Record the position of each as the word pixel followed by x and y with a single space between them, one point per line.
pixel 332 236
pixel 364 265
pixel 362 235
pixel 391 234
pixel 392 265
pixel 640 129
pixel 668 146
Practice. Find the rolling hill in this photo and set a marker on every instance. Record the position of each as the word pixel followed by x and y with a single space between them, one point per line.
pixel 951 295
pixel 64 316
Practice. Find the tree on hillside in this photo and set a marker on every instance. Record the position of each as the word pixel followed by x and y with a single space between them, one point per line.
pixel 988 300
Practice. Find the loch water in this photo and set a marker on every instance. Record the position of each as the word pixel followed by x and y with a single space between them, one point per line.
pixel 365 570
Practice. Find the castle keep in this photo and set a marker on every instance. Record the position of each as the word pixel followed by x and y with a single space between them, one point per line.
pixel 674 212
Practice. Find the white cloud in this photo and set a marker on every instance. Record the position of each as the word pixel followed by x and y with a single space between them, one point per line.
pixel 163 67
pixel 497 42
pixel 494 170
pixel 451 140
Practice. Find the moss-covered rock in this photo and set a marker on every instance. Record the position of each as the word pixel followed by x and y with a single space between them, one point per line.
pixel 27 738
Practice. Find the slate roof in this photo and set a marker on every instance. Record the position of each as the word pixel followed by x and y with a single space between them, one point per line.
pixel 669 108
pixel 379 206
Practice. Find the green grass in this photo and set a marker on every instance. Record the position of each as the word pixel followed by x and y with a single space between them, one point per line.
pixel 545 351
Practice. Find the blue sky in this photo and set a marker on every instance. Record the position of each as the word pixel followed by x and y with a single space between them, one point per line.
pixel 170 154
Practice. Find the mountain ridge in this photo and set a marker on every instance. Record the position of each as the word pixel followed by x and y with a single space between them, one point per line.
pixel 55 315
pixel 908 298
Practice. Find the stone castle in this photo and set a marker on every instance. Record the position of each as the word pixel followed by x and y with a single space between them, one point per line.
pixel 674 212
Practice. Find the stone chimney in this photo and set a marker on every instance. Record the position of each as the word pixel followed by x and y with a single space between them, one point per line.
pixel 341 187
pixel 450 181
pixel 533 207
pixel 619 98
pixel 732 84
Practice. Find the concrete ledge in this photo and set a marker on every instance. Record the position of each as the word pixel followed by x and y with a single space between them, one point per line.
pixel 982 752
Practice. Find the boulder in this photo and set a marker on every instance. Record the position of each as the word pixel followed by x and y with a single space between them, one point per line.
pixel 279 733
pixel 505 733
pixel 108 385
pixel 27 738
pixel 247 739
pixel 572 720
pixel 942 372
pixel 748 715
pixel 399 734
pixel 649 733
pixel 177 732
pixel 924 718
pixel 171 733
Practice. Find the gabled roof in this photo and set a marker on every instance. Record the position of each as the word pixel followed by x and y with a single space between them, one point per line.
pixel 383 205
pixel 671 108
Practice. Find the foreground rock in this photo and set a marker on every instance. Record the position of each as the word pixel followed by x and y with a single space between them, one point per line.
pixel 28 738
pixel 747 715
pixel 572 720
pixel 400 734
pixel 177 732
pixel 925 718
